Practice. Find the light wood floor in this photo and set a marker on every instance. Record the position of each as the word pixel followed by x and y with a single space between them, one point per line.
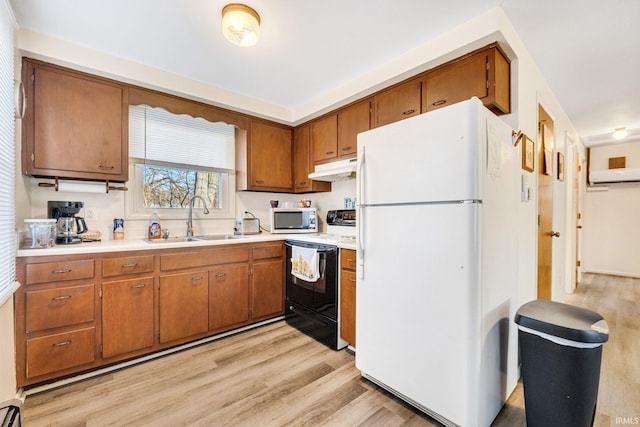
pixel 276 376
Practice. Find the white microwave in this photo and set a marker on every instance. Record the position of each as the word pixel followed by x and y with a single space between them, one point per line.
pixel 294 220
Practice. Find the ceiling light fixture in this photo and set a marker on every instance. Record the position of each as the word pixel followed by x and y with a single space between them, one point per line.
pixel 240 24
pixel 620 133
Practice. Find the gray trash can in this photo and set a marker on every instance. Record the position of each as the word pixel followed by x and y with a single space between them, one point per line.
pixel 560 352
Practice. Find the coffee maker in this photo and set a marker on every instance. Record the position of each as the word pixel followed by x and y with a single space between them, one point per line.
pixel 68 226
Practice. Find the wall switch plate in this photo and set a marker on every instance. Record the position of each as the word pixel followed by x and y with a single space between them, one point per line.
pixel 90 214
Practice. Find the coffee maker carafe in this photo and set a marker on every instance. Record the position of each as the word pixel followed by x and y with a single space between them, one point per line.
pixel 68 226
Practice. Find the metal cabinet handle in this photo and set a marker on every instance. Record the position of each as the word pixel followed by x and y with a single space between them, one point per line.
pixel 106 167
pixel 66 270
pixel 407 112
pixel 197 278
pixel 329 152
pixel 352 280
pixel 555 234
pixel 141 285
pixel 61 344
pixel 346 148
pixel 303 182
pixel 259 181
pixel 221 274
pixel 129 265
pixel 439 102
pixel 60 298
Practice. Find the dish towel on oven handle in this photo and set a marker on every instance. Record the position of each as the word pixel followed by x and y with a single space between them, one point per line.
pixel 305 263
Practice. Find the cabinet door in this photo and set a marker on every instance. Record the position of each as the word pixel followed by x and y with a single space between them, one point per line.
pixel 398 103
pixel 484 74
pixel 77 126
pixel 324 138
pixel 348 306
pixel 127 316
pixel 228 296
pixel 303 164
pixel 184 305
pixel 351 121
pixel 268 289
pixel 456 82
pixel 270 157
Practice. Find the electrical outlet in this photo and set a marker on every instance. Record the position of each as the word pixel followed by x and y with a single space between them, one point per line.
pixel 90 214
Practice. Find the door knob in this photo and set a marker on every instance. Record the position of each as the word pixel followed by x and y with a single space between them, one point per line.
pixel 555 234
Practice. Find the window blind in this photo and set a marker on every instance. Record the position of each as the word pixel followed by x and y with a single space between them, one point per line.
pixel 158 135
pixel 7 156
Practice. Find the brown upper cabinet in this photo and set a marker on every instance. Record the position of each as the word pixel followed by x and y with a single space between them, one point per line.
pixel 336 136
pixel 324 138
pixel 352 120
pixel 303 163
pixel 269 158
pixel 398 102
pixel 484 74
pixel 75 125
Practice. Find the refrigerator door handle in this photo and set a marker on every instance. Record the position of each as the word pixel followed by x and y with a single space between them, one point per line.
pixel 360 197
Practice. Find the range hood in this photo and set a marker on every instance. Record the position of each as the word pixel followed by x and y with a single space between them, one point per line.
pixel 335 171
pixel 609 176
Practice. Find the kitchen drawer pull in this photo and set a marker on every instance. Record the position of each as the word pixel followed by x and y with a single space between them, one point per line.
pixel 66 270
pixel 408 112
pixel 220 275
pixel 61 344
pixel 259 181
pixel 351 260
pixel 60 298
pixel 352 280
pixel 440 102
pixel 106 167
pixel 329 152
pixel 133 264
pixel 141 285
pixel 197 278
pixel 346 148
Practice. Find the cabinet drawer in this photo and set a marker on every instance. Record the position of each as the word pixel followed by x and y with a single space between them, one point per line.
pixel 59 271
pixel 268 251
pixel 190 259
pixel 52 308
pixel 348 259
pixel 127 265
pixel 61 351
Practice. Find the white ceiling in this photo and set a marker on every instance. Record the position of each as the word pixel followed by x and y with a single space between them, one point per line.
pixel 588 50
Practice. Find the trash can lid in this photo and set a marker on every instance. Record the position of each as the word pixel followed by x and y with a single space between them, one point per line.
pixel 563 321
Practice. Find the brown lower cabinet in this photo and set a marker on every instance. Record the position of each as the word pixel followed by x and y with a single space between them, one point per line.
pixel 76 313
pixel 348 295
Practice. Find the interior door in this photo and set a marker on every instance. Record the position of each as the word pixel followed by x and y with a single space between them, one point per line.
pixel 545 203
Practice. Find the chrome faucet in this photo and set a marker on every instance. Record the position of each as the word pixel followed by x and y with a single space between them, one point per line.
pixel 190 217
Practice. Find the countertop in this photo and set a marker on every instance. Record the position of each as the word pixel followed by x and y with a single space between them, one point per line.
pixel 141 244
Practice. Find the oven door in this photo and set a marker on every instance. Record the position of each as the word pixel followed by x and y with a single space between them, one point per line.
pixel 320 296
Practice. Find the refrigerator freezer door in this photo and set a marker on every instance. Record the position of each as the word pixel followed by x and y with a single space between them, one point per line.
pixel 418 305
pixel 429 157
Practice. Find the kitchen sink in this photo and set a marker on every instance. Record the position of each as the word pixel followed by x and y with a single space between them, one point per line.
pixel 220 237
pixel 178 239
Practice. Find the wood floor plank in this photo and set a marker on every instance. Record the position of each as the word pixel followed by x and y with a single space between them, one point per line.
pixel 276 376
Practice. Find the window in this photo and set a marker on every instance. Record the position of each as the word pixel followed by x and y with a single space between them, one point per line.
pixel 7 157
pixel 174 157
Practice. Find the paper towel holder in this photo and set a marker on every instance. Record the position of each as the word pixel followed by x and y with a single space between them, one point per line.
pixel 56 185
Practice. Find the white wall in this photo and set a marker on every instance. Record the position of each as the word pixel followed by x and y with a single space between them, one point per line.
pixel 611 233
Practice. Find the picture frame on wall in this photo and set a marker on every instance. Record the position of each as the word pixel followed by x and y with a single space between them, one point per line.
pixel 528 154
pixel 560 166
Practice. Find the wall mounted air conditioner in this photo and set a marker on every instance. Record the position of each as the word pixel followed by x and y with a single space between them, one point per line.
pixel 610 176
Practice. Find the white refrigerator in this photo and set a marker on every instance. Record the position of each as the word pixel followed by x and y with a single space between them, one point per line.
pixel 438 200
